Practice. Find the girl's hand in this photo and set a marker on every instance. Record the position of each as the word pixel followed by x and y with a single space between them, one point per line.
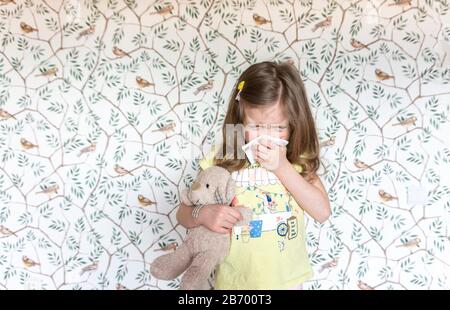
pixel 219 218
pixel 270 155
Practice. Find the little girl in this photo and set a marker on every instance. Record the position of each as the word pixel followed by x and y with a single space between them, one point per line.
pixel 269 253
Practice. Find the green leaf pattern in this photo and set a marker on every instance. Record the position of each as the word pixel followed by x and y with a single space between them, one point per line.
pixel 97 137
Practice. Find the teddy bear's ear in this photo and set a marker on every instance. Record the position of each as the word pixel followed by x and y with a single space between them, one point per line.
pixel 230 190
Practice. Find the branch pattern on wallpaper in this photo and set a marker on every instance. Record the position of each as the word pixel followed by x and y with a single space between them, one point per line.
pixel 106 106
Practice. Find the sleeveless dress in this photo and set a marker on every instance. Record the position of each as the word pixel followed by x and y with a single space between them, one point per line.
pixel 269 253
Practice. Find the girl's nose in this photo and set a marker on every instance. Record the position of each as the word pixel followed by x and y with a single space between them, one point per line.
pixel 262 131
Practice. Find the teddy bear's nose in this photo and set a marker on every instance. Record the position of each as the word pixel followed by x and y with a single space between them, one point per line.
pixel 195 186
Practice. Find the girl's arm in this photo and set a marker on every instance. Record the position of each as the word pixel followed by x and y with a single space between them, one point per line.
pixel 312 197
pixel 218 218
pixel 184 217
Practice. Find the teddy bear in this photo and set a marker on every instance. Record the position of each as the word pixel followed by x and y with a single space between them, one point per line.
pixel 202 250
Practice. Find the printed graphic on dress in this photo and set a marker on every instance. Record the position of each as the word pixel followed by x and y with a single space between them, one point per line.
pixel 271 204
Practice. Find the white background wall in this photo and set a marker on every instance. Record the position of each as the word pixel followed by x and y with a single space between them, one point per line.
pixel 95 218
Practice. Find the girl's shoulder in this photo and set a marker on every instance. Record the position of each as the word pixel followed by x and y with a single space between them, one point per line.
pixel 298 167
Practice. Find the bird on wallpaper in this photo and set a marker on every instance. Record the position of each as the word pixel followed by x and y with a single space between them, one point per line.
pixel 259 20
pixel 361 165
pixel 205 87
pixel 382 76
pixel 86 32
pixel 144 201
pixel 5 114
pixel 358 44
pixel 329 142
pixel 331 264
pixel 27 144
pixel 166 128
pixel 121 170
pixel 290 61
pixel 164 10
pixel 406 122
pixel 89 267
pixel 171 246
pixel 364 286
pixel 142 83
pixel 27 28
pixel 121 287
pixel 88 149
pixel 28 262
pixel 401 3
pixel 323 24
pixel 410 244
pixel 120 52
pixel 48 72
pixel 5 231
pixel 5 2
pixel 386 196
pixel 49 190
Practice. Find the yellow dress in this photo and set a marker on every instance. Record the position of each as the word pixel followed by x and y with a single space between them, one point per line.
pixel 270 253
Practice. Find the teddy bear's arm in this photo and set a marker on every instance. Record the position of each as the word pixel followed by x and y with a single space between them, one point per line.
pixel 246 215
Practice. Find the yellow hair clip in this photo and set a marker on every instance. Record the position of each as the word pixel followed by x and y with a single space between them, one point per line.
pixel 240 87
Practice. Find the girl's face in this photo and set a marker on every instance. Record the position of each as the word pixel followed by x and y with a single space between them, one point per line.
pixel 271 120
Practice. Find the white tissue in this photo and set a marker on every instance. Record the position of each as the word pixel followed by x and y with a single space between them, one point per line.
pixel 247 147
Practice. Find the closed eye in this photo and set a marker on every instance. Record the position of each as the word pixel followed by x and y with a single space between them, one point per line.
pixel 257 126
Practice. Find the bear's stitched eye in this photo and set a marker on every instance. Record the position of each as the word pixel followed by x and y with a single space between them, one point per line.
pixel 207 185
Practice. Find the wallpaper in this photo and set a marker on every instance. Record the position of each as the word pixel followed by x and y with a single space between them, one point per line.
pixel 107 105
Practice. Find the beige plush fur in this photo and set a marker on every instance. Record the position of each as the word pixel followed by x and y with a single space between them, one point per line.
pixel 202 249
